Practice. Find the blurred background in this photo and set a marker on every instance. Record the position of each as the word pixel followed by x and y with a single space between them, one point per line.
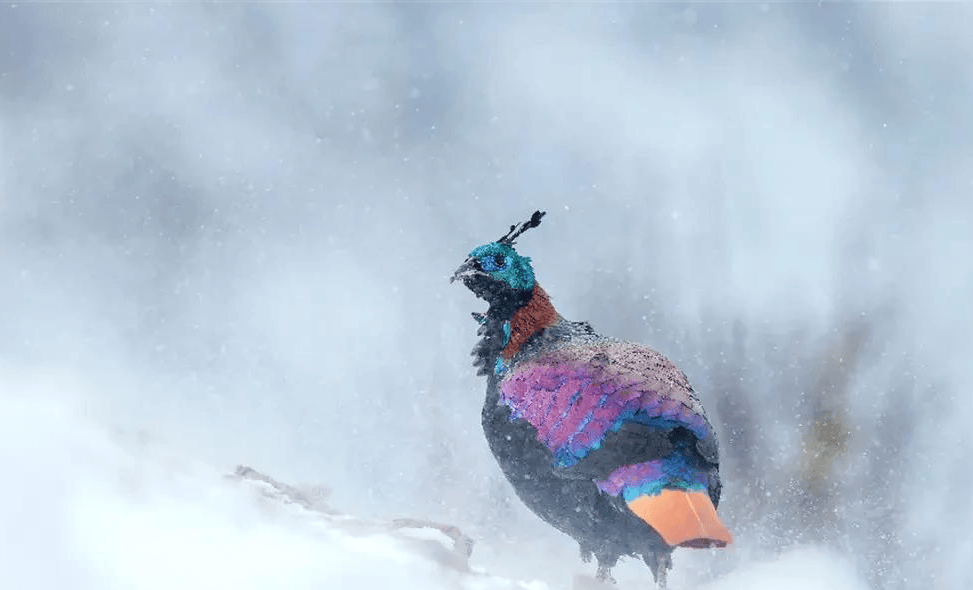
pixel 229 227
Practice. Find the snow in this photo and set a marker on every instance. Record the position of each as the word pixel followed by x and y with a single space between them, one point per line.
pixel 807 568
pixel 87 507
pixel 84 508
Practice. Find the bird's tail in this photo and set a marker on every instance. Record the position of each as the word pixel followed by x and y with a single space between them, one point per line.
pixel 684 518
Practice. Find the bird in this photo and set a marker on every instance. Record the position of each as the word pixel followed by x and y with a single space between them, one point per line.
pixel 603 439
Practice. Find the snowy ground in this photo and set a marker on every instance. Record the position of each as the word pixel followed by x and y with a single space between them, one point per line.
pixel 85 506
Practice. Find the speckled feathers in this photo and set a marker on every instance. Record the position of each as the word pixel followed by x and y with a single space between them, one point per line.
pixel 574 393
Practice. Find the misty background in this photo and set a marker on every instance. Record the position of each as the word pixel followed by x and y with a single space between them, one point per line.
pixel 229 228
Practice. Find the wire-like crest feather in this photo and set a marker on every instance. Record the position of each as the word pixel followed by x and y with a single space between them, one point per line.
pixel 515 231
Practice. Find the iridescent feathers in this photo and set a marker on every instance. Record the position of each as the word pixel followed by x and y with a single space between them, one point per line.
pixel 502 262
pixel 576 393
pixel 605 440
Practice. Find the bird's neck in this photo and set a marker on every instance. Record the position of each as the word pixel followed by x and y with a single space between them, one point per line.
pixel 510 323
pixel 537 314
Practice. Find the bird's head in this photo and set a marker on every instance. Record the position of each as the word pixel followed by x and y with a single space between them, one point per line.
pixel 496 273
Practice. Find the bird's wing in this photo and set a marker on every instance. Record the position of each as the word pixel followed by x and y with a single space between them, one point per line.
pixel 632 443
pixel 604 404
pixel 623 416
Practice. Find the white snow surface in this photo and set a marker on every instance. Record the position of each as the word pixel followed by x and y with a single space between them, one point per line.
pixel 85 506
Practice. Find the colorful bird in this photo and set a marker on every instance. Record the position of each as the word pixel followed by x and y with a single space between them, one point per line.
pixel 605 440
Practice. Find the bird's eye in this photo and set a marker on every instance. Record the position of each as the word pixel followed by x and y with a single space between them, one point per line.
pixel 493 263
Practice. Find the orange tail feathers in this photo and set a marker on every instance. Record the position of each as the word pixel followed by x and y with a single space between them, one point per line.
pixel 684 518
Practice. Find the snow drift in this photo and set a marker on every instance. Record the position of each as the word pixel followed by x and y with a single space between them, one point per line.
pixel 85 506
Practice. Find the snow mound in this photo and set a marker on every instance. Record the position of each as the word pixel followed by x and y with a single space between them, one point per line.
pixel 86 507
pixel 98 509
pixel 808 568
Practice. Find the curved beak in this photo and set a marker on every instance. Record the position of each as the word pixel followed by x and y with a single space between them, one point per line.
pixel 467 269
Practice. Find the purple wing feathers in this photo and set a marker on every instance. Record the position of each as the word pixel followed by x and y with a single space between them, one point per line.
pixel 573 401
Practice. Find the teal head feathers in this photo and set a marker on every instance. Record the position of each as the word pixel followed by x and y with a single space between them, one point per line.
pixel 495 271
pixel 502 262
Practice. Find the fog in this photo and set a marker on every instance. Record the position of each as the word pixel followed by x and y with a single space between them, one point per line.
pixel 228 228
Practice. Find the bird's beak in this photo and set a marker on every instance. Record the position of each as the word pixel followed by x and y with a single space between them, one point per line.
pixel 466 269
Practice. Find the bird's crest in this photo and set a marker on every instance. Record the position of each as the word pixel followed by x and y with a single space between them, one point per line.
pixel 516 231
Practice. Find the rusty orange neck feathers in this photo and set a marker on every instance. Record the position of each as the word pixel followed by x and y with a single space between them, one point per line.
pixel 530 319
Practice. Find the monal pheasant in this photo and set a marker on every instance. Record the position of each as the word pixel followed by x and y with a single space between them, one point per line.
pixel 604 440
